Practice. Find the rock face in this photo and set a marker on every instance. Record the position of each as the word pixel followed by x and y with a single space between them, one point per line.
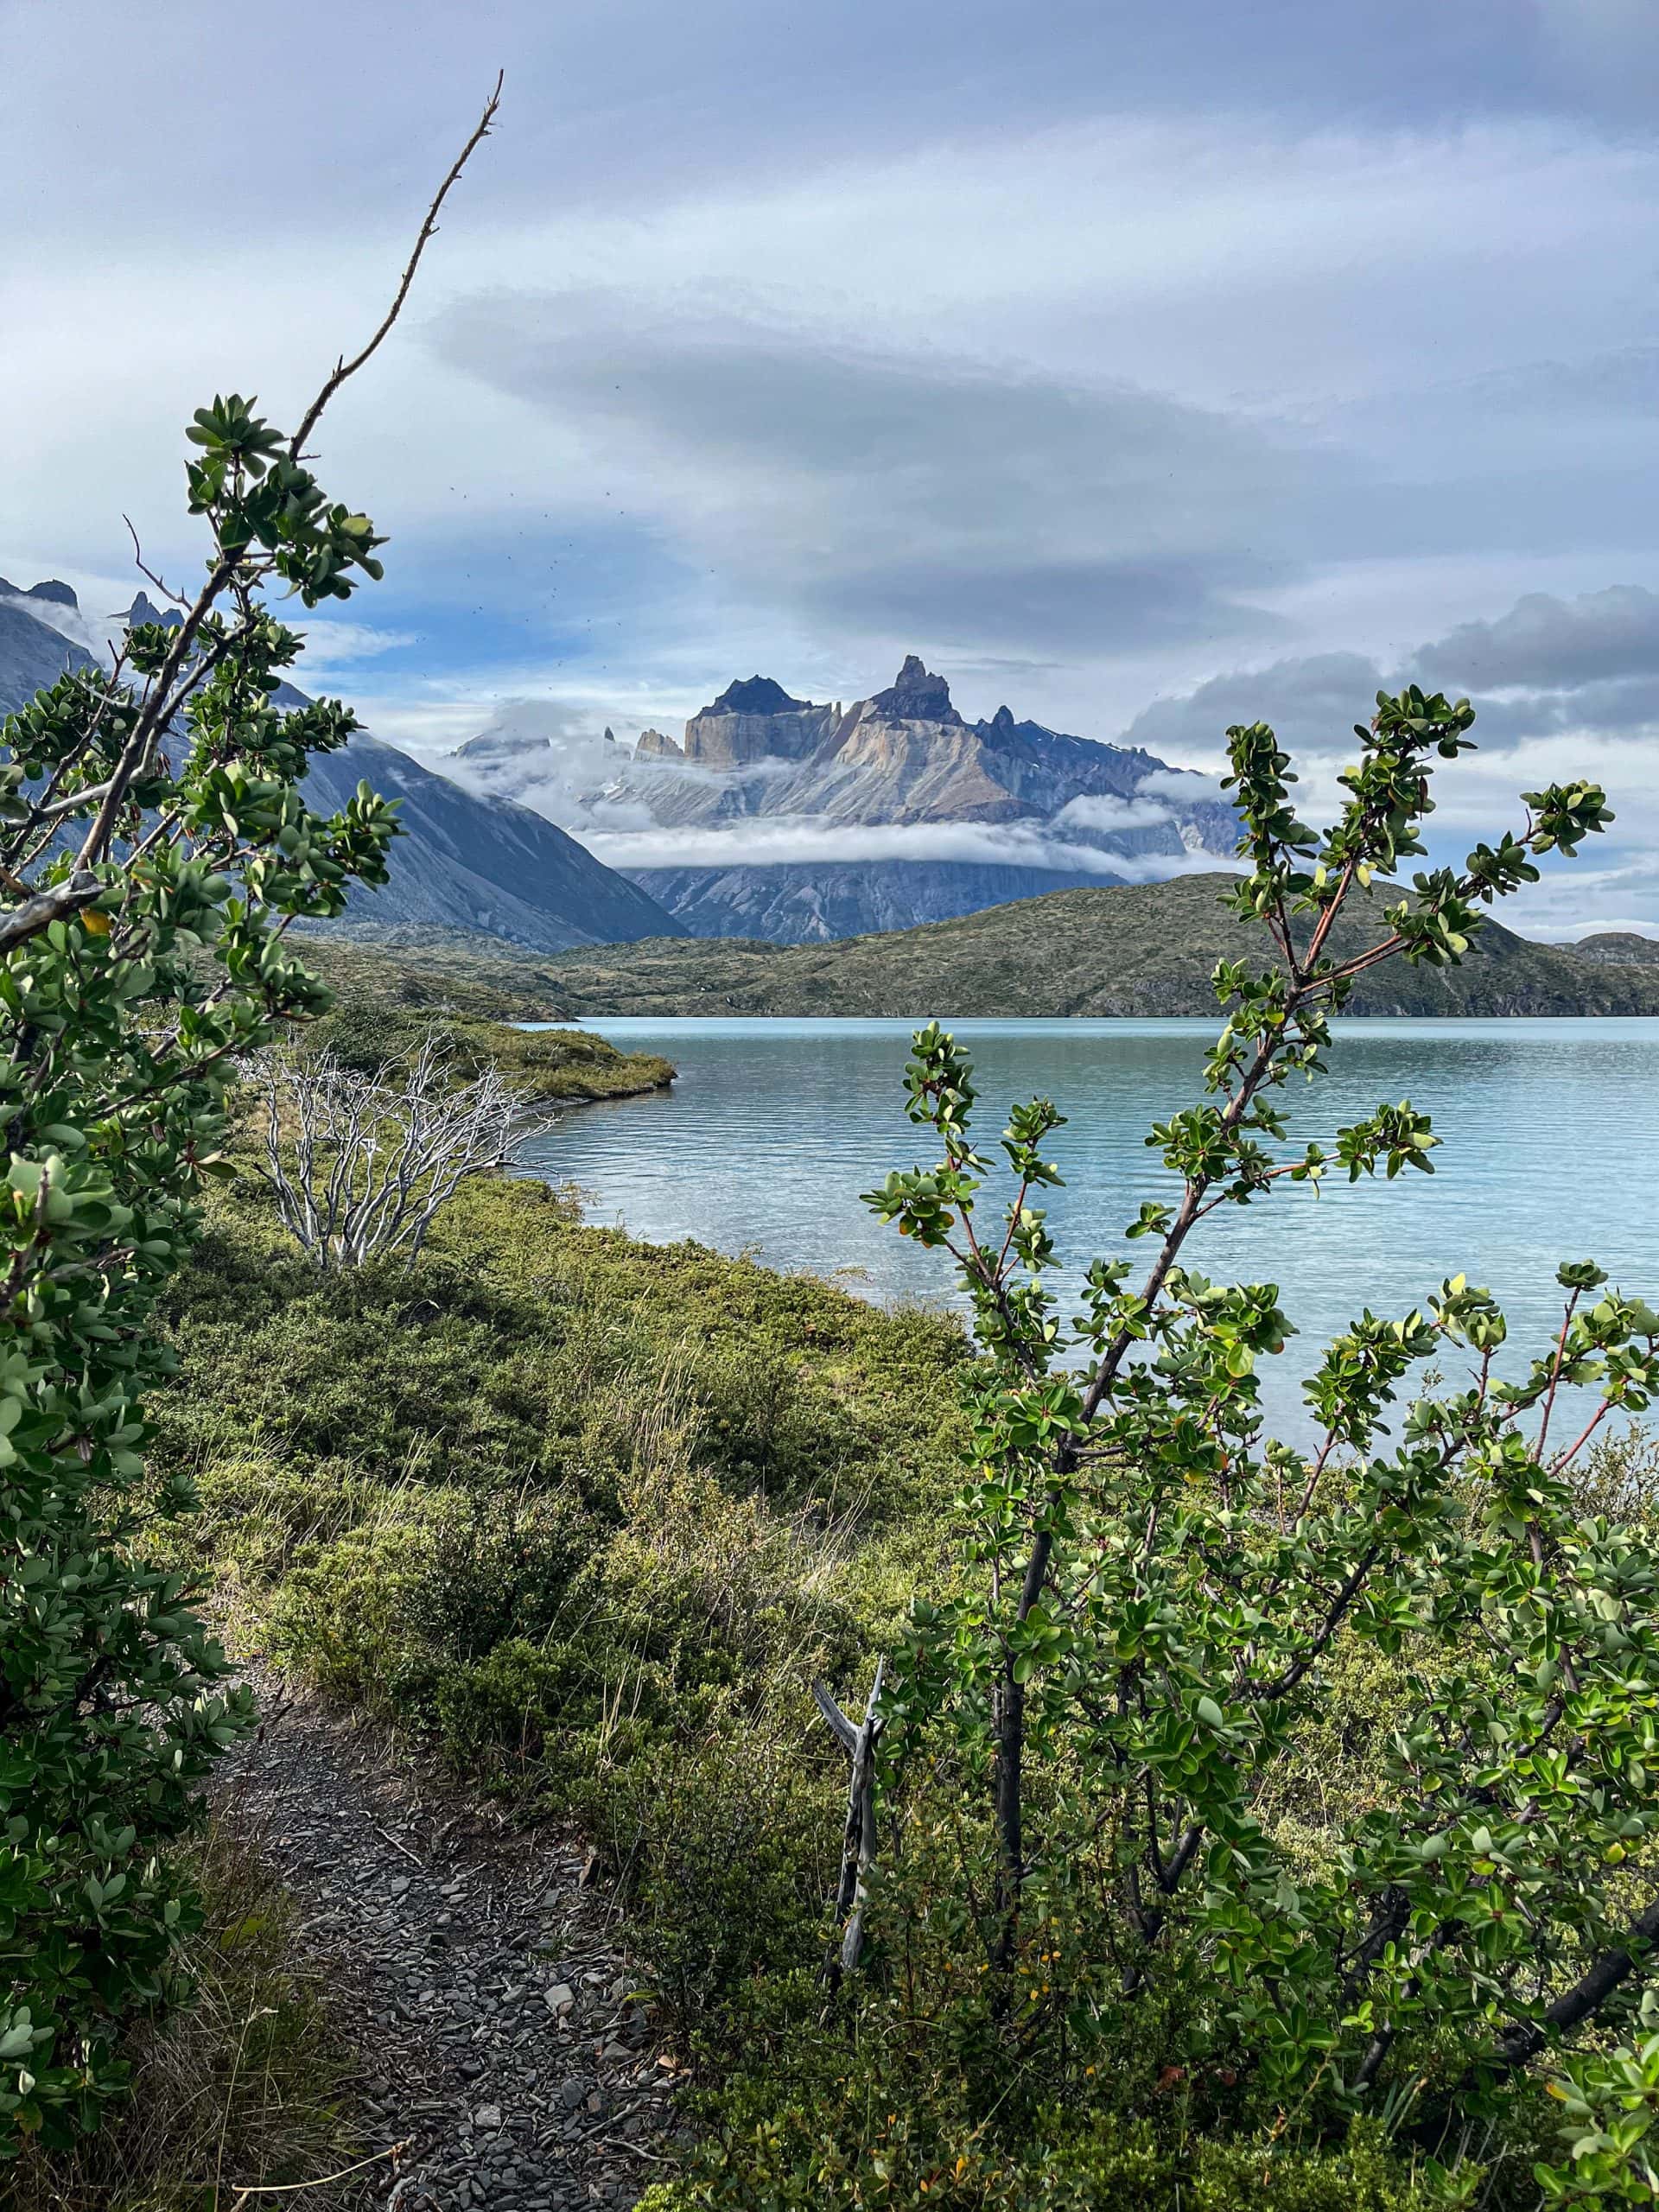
pixel 905 755
pixel 463 862
pixel 756 721
pixel 32 654
pixel 808 903
pixel 655 746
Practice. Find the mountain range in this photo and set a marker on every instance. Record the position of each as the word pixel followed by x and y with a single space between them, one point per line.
pixel 465 862
pixel 1029 920
pixel 802 820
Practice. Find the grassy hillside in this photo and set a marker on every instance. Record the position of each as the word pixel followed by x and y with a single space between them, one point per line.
pixel 1147 949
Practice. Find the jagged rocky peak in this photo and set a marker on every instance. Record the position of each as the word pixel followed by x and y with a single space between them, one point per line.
pixel 144 609
pixel 59 593
pixel 610 734
pixel 1002 720
pixel 756 720
pixel 756 695
pixel 657 744
pixel 916 695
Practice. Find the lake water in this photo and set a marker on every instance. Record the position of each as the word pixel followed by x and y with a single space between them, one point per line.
pixel 1550 1131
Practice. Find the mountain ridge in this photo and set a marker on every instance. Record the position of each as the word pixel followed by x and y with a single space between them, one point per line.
pixel 485 864
pixel 1133 950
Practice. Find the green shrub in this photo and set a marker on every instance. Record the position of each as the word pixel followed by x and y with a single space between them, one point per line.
pixel 155 843
pixel 1348 1746
pixel 248 2084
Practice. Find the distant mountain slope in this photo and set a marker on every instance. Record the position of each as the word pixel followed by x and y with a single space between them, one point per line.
pixel 463 862
pixel 805 902
pixel 482 864
pixel 1617 949
pixel 1046 809
pixel 1144 948
pixel 32 654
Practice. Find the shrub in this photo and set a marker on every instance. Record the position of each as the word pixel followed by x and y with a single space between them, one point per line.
pixel 248 2084
pixel 154 844
pixel 1159 1607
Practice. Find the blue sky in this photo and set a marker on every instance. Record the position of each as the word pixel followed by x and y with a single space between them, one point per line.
pixel 1143 367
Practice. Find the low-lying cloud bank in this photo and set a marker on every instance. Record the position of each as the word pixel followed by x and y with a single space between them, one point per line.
pixel 783 840
pixel 1548 667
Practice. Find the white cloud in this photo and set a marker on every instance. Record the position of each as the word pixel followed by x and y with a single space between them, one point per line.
pixel 777 840
pixel 1106 811
pixel 330 646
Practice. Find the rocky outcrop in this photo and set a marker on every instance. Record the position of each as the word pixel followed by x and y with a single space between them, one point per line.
pixel 655 745
pixel 144 609
pixel 756 721
pixel 916 695
pixel 54 593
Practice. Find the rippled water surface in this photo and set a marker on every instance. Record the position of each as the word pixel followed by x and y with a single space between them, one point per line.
pixel 774 1128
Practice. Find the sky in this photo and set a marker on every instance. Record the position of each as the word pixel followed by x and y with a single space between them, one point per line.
pixel 1148 368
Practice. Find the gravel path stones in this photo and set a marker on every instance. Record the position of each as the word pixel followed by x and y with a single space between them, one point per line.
pixel 477 1974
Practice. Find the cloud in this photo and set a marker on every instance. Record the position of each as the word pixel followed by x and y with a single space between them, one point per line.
pixel 874 490
pixel 93 634
pixel 543 754
pixel 1548 666
pixel 331 645
pixel 1107 811
pixel 1182 784
pixel 1098 350
pixel 777 841
pixel 1545 643
pixel 1312 700
pixel 1562 687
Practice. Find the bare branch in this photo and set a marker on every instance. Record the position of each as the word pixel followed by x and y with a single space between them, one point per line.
pixel 361 1164
pixel 178 598
pixel 44 908
pixel 344 369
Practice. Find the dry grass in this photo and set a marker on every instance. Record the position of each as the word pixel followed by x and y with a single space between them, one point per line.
pixel 246 2086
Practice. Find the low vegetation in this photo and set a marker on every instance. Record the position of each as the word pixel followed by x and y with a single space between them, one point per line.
pixel 387 1012
pixel 589 1514
pixel 1143 950
pixel 247 2086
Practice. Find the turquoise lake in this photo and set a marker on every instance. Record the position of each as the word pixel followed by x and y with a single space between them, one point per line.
pixel 1550 1131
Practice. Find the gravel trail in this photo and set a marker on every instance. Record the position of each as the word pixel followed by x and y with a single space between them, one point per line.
pixel 476 1972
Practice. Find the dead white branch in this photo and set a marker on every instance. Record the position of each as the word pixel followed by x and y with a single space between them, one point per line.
pixel 858 1846
pixel 361 1164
